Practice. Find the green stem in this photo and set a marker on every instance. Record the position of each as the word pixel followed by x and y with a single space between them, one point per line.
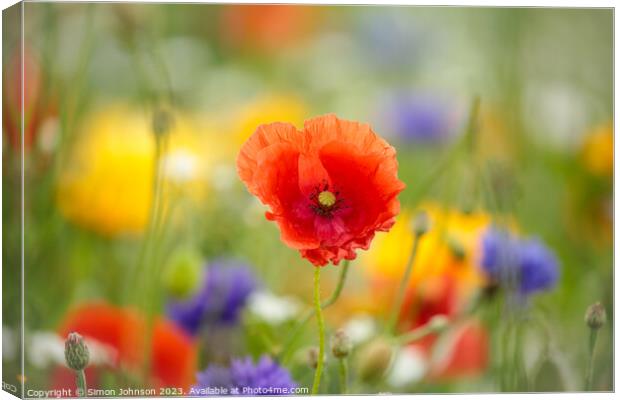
pixel 343 371
pixel 319 317
pixel 80 380
pixel 590 368
pixel 341 279
pixel 466 144
pixel 472 130
pixel 150 246
pixel 400 296
pixel 419 333
pixel 285 353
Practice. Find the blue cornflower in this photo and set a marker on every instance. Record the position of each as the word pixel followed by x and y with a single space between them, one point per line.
pixel 422 118
pixel 215 376
pixel 220 299
pixel 539 267
pixel 525 265
pixel 244 377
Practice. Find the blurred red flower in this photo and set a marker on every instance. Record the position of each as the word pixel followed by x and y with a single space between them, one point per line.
pixel 465 345
pixel 466 355
pixel 329 186
pixel 265 27
pixel 35 111
pixel 174 355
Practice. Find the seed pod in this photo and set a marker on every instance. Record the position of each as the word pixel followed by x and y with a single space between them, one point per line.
pixel 312 357
pixel 421 223
pixel 374 359
pixel 341 344
pixel 596 316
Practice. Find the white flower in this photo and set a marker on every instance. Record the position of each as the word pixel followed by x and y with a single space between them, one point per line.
pixel 360 328
pixel 271 308
pixel 48 348
pixel 181 166
pixel 409 366
pixel 9 344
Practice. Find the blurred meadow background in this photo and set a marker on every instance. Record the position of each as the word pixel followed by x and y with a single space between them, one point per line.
pixel 140 236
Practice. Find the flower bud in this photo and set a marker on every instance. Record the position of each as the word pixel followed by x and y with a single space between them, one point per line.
pixel 374 359
pixel 420 224
pixel 438 322
pixel 312 357
pixel 76 352
pixel 596 316
pixel 456 248
pixel 341 344
pixel 183 272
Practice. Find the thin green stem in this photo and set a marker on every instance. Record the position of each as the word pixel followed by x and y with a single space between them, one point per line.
pixel 343 372
pixel 400 296
pixel 321 324
pixel 341 279
pixel 419 333
pixel 285 353
pixel 80 380
pixel 590 368
pixel 147 255
pixel 472 129
pixel 519 362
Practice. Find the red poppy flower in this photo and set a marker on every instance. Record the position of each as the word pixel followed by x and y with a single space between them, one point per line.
pixel 329 186
pixel 465 345
pixel 466 355
pixel 265 27
pixel 174 355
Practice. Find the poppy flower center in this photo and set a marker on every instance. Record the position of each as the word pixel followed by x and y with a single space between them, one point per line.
pixel 327 198
pixel 324 201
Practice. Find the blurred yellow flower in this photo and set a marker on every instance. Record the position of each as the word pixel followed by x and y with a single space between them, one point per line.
pixel 264 110
pixel 106 182
pixel 450 247
pixel 598 150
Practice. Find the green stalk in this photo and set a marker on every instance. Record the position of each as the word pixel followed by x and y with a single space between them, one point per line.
pixel 398 303
pixel 519 363
pixel 147 256
pixel 80 380
pixel 419 333
pixel 285 353
pixel 590 368
pixel 343 372
pixel 341 279
pixel 319 317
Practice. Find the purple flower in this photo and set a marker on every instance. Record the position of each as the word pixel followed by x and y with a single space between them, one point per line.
pixel 214 376
pixel 422 118
pixel 524 265
pixel 244 377
pixel 539 267
pixel 223 294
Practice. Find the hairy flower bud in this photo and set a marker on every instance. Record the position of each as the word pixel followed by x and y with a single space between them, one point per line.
pixel 341 344
pixel 374 359
pixel 421 223
pixel 438 322
pixel 76 352
pixel 312 357
pixel 456 248
pixel 596 316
